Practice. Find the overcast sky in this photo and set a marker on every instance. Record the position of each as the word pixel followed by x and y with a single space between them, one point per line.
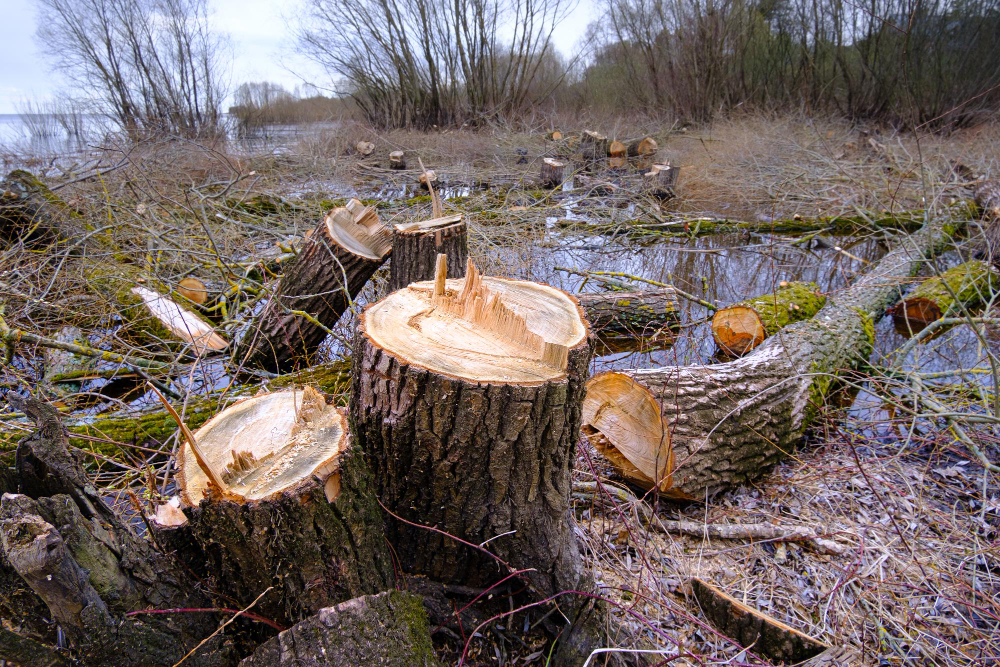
pixel 262 47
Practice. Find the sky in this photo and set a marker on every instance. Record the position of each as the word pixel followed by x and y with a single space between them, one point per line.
pixel 260 36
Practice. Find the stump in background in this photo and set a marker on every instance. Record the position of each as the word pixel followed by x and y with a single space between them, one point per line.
pixel 416 245
pixel 298 510
pixel 331 269
pixel 397 160
pixel 593 146
pixel 617 154
pixel 741 327
pixel 466 399
pixel 554 135
pixel 552 173
pixel 365 148
pixel 660 181
pixel 427 178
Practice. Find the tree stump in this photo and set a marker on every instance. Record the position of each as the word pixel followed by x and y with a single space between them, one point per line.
pixel 554 135
pixel 427 178
pixel 389 630
pixel 416 245
pixel 741 327
pixel 331 269
pixel 642 147
pixel 617 154
pixel 696 429
pixel 593 146
pixel 466 399
pixel 660 180
pixel 365 148
pixel 971 285
pixel 552 173
pixel 397 160
pixel 298 510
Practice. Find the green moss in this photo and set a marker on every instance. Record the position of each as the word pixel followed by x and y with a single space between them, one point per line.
pixel 419 199
pixel 971 284
pixel 793 302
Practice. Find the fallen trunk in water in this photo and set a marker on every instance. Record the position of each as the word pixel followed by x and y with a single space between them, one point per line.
pixel 633 313
pixel 970 285
pixel 741 327
pixel 696 429
pixel 30 211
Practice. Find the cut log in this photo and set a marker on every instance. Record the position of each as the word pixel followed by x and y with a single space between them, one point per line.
pixel 765 636
pixel 389 629
pixel 466 399
pixel 416 245
pixel 330 270
pixel 971 285
pixel 181 322
pixel 552 173
pixel 29 211
pixel 87 566
pixel 642 147
pixel 397 160
pixel 741 327
pixel 193 290
pixel 427 177
pixel 554 135
pixel 593 146
pixel 365 148
pixel 660 181
pixel 635 313
pixel 298 512
pixel 617 154
pixel 697 429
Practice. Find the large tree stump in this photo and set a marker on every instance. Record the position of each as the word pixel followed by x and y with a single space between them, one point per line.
pixel 298 512
pixel 416 245
pixel 970 285
pixel 466 399
pixel 330 270
pixel 389 629
pixel 741 327
pixel 694 429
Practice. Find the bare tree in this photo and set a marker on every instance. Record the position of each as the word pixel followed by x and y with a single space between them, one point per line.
pixel 153 64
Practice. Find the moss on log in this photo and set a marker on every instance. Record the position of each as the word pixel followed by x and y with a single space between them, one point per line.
pixel 29 210
pixel 741 327
pixel 972 285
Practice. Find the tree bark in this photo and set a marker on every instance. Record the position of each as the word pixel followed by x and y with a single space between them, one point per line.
pixel 415 248
pixel 593 146
pixel 333 266
pixel 552 173
pixel 741 327
pixel 642 147
pixel 636 313
pixel 660 181
pixel 397 160
pixel 389 629
pixel 29 211
pixel 970 285
pixel 702 428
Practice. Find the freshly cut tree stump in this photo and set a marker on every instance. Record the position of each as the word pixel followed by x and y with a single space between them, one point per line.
pixel 971 285
pixel 660 181
pixel 298 510
pixel 427 178
pixel 365 148
pixel 593 146
pixel 416 245
pixel 552 173
pixel 767 636
pixel 389 630
pixel 466 399
pixel 696 429
pixel 642 147
pixel 633 313
pixel 331 269
pixel 397 160
pixel 741 327
pixel 554 135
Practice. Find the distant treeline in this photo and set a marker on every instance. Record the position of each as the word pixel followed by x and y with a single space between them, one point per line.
pixel 260 104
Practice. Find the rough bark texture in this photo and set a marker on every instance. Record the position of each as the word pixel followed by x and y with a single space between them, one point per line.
pixel 414 253
pixel 88 568
pixel 642 147
pixel 637 313
pixel 660 181
pixel 475 460
pixel 551 174
pixel 30 211
pixel 315 553
pixel 397 160
pixel 727 423
pixel 389 629
pixel 593 146
pixel 971 285
pixel 764 635
pixel 322 281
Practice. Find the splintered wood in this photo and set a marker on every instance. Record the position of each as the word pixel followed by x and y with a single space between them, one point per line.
pixel 479 305
pixel 181 322
pixel 359 223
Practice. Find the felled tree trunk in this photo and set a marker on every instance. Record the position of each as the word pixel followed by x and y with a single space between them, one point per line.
pixel 634 313
pixel 642 147
pixel 331 269
pixel 397 160
pixel 87 567
pixel 660 181
pixel 466 399
pixel 389 629
pixel 697 428
pixel 970 285
pixel 297 511
pixel 741 327
pixel 617 154
pixel 552 173
pixel 30 211
pixel 416 245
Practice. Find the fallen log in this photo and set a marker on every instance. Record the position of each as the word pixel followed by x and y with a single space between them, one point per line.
pixel 30 211
pixel 416 245
pixel 696 429
pixel 389 629
pixel 552 173
pixel 642 147
pixel 634 313
pixel 970 285
pixel 465 397
pixel 91 572
pixel 193 290
pixel 554 135
pixel 297 510
pixel 617 154
pixel 331 269
pixel 660 181
pixel 765 636
pixel 741 327
pixel 397 160
pixel 180 322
